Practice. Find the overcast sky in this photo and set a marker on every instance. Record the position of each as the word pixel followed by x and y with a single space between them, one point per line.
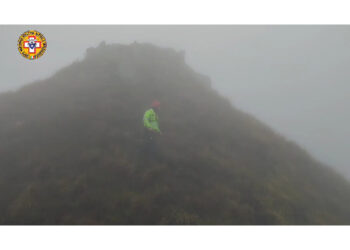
pixel 294 78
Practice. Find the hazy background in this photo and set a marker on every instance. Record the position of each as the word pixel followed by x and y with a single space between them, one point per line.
pixel 294 78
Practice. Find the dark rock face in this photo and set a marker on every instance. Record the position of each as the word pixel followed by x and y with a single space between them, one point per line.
pixel 71 151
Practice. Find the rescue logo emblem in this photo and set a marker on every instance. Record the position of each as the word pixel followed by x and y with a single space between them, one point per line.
pixel 32 44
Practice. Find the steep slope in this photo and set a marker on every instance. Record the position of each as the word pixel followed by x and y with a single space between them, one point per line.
pixel 71 151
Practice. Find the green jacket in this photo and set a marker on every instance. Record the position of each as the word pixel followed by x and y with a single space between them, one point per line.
pixel 150 120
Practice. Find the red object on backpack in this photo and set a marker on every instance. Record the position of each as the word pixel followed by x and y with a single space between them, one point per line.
pixel 155 104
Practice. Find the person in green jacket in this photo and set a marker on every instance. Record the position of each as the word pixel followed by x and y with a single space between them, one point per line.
pixel 150 118
pixel 151 125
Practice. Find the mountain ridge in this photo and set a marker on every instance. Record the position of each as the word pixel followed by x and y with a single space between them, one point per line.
pixel 72 143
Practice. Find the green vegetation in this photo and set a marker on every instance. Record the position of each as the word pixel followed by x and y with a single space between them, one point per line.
pixel 70 151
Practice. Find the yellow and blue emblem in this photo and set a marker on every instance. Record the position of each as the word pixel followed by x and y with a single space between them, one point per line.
pixel 32 44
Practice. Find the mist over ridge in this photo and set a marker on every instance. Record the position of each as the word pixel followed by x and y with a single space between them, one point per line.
pixel 71 152
pixel 293 78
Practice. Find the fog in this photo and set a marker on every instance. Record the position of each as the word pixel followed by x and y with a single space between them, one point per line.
pixel 293 78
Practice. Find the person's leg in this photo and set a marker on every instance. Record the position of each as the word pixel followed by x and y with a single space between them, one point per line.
pixel 147 147
pixel 146 141
pixel 152 144
pixel 150 150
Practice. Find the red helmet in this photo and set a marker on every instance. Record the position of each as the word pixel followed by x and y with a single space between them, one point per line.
pixel 155 104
